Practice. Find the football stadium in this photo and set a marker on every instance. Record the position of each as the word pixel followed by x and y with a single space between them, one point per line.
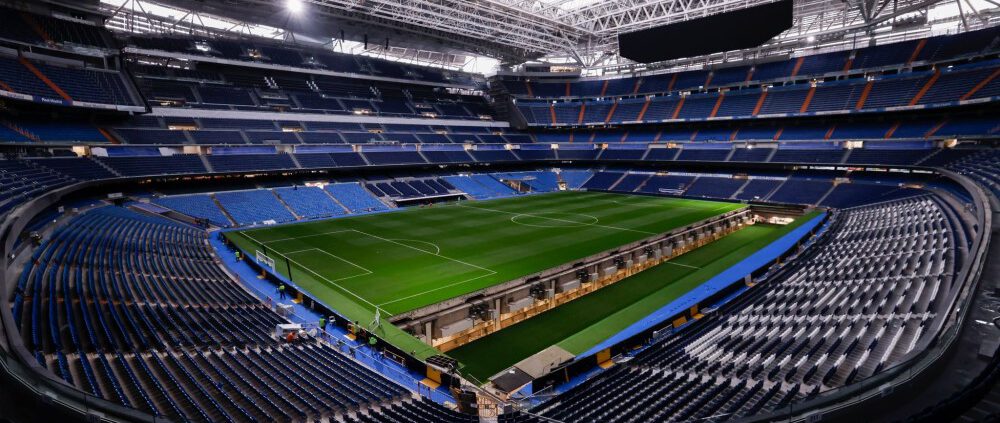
pixel 499 211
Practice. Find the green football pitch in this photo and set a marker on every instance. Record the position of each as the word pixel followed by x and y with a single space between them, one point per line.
pixel 581 324
pixel 407 259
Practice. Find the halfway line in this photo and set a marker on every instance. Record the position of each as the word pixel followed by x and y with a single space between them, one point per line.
pixel 556 219
pixel 436 289
pixel 681 264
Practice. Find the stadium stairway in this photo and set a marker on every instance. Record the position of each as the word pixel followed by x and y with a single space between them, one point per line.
pixel 740 189
pixel 48 82
pixel 285 204
pixel 337 202
pixel 309 202
pixel 106 167
pixel 206 163
pixel 791 338
pixel 295 161
pixel 136 331
pixel 24 132
pixel 826 194
pixel 774 190
pixel 266 292
pixel 215 201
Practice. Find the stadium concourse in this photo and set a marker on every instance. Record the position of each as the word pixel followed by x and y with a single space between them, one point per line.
pixel 486 211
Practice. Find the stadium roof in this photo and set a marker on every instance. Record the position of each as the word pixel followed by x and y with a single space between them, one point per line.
pixel 579 32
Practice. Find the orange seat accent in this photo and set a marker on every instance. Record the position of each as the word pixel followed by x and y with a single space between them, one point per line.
pixel 677 110
pixel 718 103
pixel 864 96
pixel 45 79
pixel 107 135
pixel 611 112
pixel 935 129
pixel 809 99
pixel 642 112
pixel 760 103
pixel 916 50
pixel 892 130
pixel 980 85
pixel 37 28
pixel 798 65
pixel 927 86
pixel 673 80
pixel 24 132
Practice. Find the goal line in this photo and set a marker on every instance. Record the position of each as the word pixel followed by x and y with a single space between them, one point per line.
pixel 263 258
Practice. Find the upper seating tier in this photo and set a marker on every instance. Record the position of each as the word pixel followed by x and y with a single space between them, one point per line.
pixel 934 49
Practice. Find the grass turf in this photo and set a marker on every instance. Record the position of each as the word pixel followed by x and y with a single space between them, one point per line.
pixel 580 324
pixel 408 259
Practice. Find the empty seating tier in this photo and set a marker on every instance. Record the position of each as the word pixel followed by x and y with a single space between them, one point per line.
pixel 857 303
pixel 133 309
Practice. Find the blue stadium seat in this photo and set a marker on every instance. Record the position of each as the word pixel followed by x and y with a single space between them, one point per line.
pixel 311 202
pixel 355 198
pixel 253 207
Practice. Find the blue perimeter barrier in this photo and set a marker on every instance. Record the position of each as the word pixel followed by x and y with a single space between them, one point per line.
pixel 717 283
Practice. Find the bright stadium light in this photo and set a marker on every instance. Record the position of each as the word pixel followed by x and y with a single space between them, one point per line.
pixel 294 6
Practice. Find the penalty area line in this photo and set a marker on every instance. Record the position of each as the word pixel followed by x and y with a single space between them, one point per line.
pixel 331 282
pixel 682 265
pixel 423 251
pixel 294 238
pixel 557 219
pixel 367 272
pixel 436 289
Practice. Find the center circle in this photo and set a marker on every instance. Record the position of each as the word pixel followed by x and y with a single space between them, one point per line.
pixel 554 220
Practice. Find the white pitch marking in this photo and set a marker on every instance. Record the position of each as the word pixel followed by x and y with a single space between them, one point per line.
pixel 646 205
pixel 300 237
pixel 300 251
pixel 424 251
pixel 336 257
pixel 556 219
pixel 334 283
pixel 421 242
pixel 491 272
pixel 513 219
pixel 662 207
pixel 437 289
pixel 681 264
pixel 722 208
